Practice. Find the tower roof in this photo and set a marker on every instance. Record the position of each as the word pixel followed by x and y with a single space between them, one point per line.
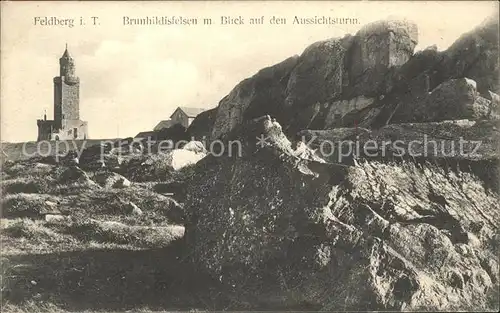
pixel 66 53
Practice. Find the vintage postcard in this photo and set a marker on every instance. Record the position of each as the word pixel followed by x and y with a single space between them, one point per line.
pixel 161 156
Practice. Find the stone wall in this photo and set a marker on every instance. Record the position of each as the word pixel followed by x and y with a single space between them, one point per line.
pixel 66 99
pixel 71 99
pixel 73 129
pixel 44 129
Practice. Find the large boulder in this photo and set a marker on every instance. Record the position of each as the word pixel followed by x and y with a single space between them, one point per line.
pixel 258 95
pixel 319 73
pixel 475 55
pixel 195 146
pixel 453 99
pixel 75 175
pixel 201 127
pixel 108 179
pixel 180 158
pixel 378 47
pixel 274 227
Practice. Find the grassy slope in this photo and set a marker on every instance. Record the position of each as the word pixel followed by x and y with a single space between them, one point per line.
pixel 24 150
pixel 101 257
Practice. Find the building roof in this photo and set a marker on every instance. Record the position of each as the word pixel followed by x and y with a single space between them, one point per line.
pixel 145 134
pixel 163 124
pixel 190 112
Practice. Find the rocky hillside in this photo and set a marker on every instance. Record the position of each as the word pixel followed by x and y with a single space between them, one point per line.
pixel 286 225
pixel 284 231
pixel 296 220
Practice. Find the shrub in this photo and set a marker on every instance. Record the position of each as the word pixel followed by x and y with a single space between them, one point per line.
pixel 21 185
pixel 29 229
pixel 24 204
pixel 119 233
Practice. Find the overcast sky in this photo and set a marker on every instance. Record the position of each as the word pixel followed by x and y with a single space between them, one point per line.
pixel 134 76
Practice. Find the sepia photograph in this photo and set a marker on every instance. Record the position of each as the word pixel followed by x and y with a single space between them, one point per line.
pixel 199 156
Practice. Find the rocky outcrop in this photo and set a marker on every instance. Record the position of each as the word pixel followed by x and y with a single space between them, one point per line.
pixel 452 99
pixel 319 73
pixel 293 90
pixel 202 125
pixel 454 139
pixel 473 56
pixel 378 47
pixel 259 95
pixel 280 230
pixel 378 64
pixel 338 109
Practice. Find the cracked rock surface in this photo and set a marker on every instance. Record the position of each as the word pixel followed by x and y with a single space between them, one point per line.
pixel 283 230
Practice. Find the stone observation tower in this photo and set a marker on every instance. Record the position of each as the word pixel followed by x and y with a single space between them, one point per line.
pixel 66 124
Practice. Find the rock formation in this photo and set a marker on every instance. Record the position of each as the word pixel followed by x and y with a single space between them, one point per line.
pixel 256 96
pixel 202 126
pixel 378 48
pixel 286 225
pixel 283 231
pixel 452 99
pixel 377 64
